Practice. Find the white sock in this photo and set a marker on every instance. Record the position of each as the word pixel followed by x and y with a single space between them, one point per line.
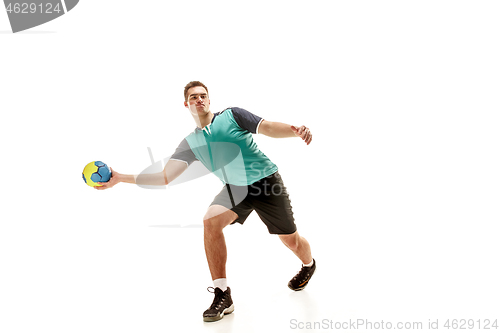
pixel 309 264
pixel 221 283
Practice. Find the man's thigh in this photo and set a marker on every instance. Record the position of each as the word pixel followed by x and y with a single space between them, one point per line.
pixel 220 215
pixel 232 198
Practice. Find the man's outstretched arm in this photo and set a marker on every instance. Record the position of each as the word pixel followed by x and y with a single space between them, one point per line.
pixel 280 130
pixel 172 170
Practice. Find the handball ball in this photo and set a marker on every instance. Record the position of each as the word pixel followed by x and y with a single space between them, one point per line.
pixel 95 172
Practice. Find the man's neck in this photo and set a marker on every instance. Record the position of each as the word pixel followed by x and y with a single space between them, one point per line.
pixel 204 120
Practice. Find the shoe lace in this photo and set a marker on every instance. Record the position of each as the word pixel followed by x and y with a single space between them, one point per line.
pixel 302 275
pixel 219 298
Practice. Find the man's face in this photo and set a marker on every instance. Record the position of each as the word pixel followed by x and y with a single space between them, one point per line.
pixel 198 102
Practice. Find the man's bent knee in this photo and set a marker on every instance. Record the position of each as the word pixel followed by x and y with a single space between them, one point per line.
pixel 218 217
pixel 292 240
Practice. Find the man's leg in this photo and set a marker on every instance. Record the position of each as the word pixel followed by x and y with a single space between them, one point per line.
pixel 302 250
pixel 273 206
pixel 299 245
pixel 216 218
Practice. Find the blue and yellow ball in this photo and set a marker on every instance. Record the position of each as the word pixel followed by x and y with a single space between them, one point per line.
pixel 95 172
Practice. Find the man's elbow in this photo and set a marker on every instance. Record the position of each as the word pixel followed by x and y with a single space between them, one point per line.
pixel 266 128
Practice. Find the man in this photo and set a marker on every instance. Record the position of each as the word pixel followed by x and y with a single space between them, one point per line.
pixel 223 142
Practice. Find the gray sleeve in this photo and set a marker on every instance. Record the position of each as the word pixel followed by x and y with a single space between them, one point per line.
pixel 184 153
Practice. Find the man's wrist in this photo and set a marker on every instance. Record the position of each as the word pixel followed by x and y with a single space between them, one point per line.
pixel 121 178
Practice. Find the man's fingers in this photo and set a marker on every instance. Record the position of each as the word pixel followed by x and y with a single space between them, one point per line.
pixel 304 133
pixel 307 137
pixel 299 130
pixel 102 187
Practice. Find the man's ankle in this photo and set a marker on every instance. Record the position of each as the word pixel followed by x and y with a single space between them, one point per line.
pixel 221 284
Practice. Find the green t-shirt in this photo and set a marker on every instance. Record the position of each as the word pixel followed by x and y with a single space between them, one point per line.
pixel 226 148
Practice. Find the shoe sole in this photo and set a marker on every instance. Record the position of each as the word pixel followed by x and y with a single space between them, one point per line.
pixel 299 288
pixel 229 310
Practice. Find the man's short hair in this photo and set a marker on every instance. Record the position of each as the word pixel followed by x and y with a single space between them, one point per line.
pixel 191 85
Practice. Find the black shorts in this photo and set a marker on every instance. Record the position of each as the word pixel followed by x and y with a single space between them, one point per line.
pixel 268 197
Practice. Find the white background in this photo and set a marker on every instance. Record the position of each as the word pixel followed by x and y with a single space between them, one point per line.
pixel 398 194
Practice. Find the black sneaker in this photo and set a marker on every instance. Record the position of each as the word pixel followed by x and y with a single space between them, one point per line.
pixel 222 304
pixel 302 278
